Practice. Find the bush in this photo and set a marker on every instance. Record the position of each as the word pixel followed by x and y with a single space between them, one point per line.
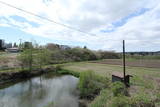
pixel 90 84
pixel 79 54
pixel 109 55
pixel 58 67
pixel 118 88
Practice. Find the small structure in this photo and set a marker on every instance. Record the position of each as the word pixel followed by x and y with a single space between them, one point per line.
pixel 13 50
pixel 28 45
pixel 8 45
pixel 117 76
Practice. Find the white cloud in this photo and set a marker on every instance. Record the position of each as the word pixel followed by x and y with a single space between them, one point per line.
pixel 91 16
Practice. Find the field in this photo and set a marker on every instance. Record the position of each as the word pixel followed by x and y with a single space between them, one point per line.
pixel 149 63
pixel 146 80
pixel 145 72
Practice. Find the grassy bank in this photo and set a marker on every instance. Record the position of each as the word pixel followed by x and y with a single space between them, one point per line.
pixel 95 84
pixel 145 81
pixel 16 74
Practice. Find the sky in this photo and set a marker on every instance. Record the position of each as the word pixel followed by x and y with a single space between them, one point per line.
pixel 105 23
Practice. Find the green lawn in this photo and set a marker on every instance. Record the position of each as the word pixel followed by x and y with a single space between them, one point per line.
pixel 143 80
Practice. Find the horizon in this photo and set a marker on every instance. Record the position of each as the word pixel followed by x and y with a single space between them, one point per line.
pixel 17 43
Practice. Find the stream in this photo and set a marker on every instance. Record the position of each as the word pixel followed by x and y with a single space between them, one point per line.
pixel 47 90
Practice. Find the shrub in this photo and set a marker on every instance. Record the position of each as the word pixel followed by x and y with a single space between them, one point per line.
pixel 118 88
pixel 58 67
pixel 90 84
pixel 109 55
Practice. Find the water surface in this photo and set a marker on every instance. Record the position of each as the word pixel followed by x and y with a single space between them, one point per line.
pixel 44 91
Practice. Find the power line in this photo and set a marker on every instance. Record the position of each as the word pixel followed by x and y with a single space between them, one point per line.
pixel 66 26
pixel 33 14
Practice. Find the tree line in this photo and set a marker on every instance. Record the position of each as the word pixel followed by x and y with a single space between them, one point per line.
pixel 35 56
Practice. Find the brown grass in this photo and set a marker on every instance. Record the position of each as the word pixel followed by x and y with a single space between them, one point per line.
pixel 132 62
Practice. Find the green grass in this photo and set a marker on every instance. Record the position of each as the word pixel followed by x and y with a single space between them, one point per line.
pixel 144 79
pixel 108 98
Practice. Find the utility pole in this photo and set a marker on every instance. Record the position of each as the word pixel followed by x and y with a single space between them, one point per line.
pixel 124 61
pixel 20 45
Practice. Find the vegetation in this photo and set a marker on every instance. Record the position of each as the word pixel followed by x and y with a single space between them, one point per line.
pixel 90 84
pixel 151 57
pixel 109 55
pixel 26 59
pixel 142 93
pixel 94 79
pixel 67 54
pixel 108 98
pixel 36 58
pixel 64 71
pixel 118 88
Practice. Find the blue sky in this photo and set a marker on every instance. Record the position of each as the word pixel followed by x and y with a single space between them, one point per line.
pixel 124 20
pixel 111 22
pixel 11 35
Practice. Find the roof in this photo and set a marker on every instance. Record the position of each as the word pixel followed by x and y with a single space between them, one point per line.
pixel 118 74
pixel 12 48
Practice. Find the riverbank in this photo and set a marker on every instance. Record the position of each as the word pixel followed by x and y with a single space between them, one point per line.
pixel 144 90
pixel 18 74
pixel 95 86
pixel 8 78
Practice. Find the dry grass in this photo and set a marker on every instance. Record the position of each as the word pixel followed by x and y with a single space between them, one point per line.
pixel 148 63
pixel 8 61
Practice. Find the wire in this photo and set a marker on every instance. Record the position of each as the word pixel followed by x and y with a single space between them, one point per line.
pixel 33 14
pixel 66 26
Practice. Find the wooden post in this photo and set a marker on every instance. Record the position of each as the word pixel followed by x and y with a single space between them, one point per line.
pixel 124 62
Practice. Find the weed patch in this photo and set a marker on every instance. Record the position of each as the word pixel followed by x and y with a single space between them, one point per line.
pixel 90 84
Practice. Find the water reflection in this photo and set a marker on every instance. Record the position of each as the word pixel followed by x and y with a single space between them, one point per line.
pixel 41 92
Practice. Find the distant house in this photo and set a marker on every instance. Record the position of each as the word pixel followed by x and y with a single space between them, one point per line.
pixel 64 47
pixel 13 50
pixel 28 45
pixel 8 45
pixel 157 53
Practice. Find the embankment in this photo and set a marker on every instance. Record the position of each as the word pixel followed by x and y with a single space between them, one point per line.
pixel 6 77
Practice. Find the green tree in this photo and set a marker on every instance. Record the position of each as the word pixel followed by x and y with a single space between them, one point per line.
pixel 42 57
pixel 26 59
